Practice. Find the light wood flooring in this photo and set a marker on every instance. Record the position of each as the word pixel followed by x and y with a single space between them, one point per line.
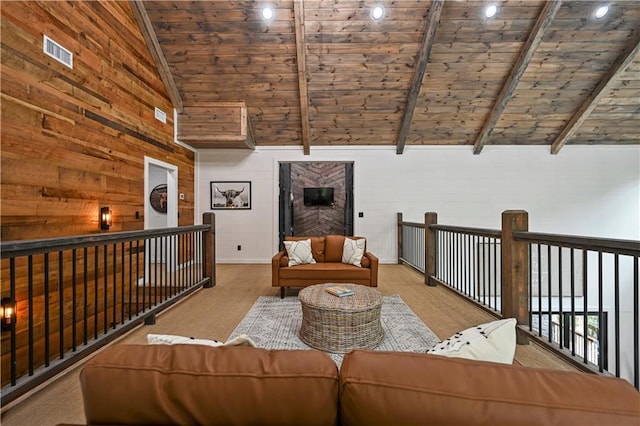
pixel 215 312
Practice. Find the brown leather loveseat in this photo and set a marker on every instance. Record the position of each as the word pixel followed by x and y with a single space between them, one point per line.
pixel 327 252
pixel 193 384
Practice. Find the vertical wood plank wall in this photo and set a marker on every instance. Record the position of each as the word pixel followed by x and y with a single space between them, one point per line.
pixel 75 139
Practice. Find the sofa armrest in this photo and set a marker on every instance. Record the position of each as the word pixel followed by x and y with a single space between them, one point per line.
pixel 374 268
pixel 275 268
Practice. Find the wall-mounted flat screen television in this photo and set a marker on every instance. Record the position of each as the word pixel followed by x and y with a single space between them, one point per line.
pixel 318 196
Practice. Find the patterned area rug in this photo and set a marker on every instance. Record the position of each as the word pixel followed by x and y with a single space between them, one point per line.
pixel 273 323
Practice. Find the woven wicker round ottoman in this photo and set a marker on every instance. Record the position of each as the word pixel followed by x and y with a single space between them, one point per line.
pixel 340 324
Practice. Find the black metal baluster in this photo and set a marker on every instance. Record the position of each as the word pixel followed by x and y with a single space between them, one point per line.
pixel 616 302
pixel 495 274
pixel 12 290
pixel 61 306
pixel 105 312
pixel 122 283
pixel 539 290
pixel 96 291
pixel 47 314
pixel 549 293
pixel 600 316
pixel 30 315
pixel 130 277
pixel 585 304
pixel 573 303
pixel 636 328
pixel 560 295
pixel 74 299
pixel 138 277
pixel 85 314
pixel 114 280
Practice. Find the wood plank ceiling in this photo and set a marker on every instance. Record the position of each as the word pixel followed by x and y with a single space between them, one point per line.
pixel 324 72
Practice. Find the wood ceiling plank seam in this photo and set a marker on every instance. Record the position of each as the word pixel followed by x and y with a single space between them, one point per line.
pixel 600 91
pixel 298 16
pixel 533 41
pixel 428 38
pixel 146 27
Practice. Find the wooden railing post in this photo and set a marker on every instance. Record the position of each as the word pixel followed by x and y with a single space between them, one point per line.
pixel 399 224
pixel 430 247
pixel 210 249
pixel 515 270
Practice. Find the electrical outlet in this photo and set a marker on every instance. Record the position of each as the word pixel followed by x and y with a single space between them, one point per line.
pixel 239 247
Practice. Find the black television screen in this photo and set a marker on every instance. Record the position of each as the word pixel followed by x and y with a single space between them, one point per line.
pixel 318 196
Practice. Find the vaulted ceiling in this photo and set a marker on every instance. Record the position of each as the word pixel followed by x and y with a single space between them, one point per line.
pixel 324 72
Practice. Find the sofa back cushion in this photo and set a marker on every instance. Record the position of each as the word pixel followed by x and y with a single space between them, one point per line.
pixel 317 246
pixel 420 389
pixel 333 248
pixel 192 384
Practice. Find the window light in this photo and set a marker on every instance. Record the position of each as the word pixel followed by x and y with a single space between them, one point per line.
pixel 377 12
pixel 490 11
pixel 601 12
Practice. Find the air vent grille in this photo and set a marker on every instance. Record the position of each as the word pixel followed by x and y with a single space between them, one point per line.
pixel 57 52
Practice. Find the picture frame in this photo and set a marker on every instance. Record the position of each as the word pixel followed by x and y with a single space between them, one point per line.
pixel 230 195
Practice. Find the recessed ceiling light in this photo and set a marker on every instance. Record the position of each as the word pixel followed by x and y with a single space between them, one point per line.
pixel 491 11
pixel 377 12
pixel 601 12
pixel 267 13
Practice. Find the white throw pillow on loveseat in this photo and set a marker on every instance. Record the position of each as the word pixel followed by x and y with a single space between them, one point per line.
pixel 353 250
pixel 299 252
pixel 493 341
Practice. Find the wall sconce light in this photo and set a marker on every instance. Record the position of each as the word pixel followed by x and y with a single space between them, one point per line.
pixel 9 316
pixel 105 218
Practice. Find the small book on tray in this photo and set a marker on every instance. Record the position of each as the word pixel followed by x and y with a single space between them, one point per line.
pixel 340 291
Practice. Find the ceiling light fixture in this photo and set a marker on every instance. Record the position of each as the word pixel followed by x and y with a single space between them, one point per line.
pixel 377 12
pixel 490 11
pixel 267 13
pixel 601 12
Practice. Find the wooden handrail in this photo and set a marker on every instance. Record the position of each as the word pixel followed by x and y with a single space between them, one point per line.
pixel 627 247
pixel 10 249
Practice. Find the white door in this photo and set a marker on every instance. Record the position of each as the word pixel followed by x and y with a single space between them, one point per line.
pixel 160 210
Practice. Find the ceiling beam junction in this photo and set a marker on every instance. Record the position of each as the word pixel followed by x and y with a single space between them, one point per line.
pixel 144 22
pixel 506 93
pixel 602 89
pixel 301 49
pixel 428 37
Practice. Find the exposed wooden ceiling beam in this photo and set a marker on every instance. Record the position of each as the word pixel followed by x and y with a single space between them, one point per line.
pixel 301 51
pixel 428 37
pixel 142 17
pixel 602 89
pixel 535 37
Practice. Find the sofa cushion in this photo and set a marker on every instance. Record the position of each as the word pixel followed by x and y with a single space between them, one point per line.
pixel 352 251
pixel 494 341
pixel 334 245
pixel 326 272
pixel 422 388
pixel 333 248
pixel 192 384
pixel 317 246
pixel 299 252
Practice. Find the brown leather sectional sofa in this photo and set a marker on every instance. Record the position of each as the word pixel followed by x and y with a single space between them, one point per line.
pixel 192 384
pixel 327 252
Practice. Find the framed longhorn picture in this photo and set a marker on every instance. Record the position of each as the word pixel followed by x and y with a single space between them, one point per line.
pixel 230 195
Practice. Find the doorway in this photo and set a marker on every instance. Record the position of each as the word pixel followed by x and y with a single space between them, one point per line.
pixel 333 214
pixel 160 209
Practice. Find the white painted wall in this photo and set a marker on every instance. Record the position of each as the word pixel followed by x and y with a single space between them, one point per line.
pixel 584 190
